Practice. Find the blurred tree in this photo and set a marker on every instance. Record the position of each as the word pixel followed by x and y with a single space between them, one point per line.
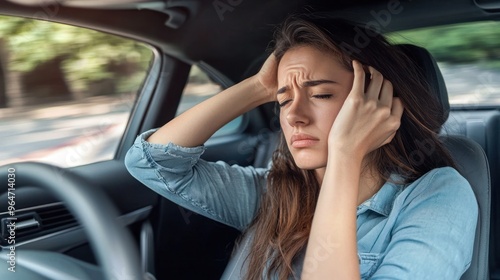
pixel 477 43
pixel 90 57
pixel 45 83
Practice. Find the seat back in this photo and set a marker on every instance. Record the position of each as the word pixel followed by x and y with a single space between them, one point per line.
pixel 470 158
pixel 472 164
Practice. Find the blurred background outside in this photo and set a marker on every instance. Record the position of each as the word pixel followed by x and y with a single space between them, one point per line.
pixel 469 57
pixel 66 93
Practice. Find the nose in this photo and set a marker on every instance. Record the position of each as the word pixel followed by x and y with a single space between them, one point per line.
pixel 297 113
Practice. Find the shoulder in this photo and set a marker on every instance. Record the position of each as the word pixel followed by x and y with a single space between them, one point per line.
pixel 435 216
pixel 440 187
pixel 440 201
pixel 438 180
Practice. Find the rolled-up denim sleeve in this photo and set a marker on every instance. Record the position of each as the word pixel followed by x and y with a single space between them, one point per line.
pixel 226 193
pixel 433 235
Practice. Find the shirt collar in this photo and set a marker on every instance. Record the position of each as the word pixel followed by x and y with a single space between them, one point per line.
pixel 382 201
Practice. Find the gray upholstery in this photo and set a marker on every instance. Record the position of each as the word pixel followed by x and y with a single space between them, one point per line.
pixel 470 159
pixel 427 65
pixel 472 164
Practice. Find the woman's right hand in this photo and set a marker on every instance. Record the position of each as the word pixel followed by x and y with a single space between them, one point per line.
pixel 267 77
pixel 369 117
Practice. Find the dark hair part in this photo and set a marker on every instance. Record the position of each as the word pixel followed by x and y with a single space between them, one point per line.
pixel 283 222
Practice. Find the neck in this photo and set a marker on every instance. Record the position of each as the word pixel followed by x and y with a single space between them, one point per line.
pixel 370 181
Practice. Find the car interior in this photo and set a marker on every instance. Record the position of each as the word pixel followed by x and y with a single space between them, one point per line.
pixel 95 221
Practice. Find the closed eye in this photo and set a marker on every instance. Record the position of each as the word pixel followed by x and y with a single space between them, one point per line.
pixel 323 96
pixel 281 104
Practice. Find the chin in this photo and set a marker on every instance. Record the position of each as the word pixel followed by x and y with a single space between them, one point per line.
pixel 308 164
pixel 309 159
pixel 309 167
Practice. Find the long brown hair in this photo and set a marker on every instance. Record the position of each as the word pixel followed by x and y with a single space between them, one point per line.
pixel 283 222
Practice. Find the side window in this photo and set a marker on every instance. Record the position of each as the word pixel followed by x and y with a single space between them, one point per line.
pixel 200 87
pixel 468 56
pixel 66 93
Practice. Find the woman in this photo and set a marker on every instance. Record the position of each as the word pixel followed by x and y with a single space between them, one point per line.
pixel 343 188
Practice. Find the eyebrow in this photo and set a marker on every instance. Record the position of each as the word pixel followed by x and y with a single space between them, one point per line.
pixel 307 84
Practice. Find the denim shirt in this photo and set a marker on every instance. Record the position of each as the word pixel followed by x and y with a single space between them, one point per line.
pixel 423 230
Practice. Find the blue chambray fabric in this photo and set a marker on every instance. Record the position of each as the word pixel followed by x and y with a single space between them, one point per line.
pixel 423 230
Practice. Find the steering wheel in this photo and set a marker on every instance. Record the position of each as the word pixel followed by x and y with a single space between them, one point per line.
pixel 112 244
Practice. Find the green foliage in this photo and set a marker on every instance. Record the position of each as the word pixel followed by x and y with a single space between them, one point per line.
pixel 87 56
pixel 477 43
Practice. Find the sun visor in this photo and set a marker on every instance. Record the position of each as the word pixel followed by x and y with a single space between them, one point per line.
pixel 177 11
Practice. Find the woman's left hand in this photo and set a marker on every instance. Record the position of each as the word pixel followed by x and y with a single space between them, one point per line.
pixel 367 120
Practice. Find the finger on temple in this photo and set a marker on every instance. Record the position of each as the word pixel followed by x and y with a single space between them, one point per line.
pixel 375 85
pixel 397 107
pixel 386 93
pixel 358 86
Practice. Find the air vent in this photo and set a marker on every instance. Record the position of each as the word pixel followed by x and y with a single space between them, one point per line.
pixel 36 222
pixel 56 217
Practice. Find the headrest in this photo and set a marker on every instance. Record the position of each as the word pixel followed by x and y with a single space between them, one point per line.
pixel 430 71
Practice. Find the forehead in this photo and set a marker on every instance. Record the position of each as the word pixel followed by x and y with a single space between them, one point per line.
pixel 308 60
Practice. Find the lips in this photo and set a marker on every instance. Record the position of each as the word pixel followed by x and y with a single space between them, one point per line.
pixel 302 140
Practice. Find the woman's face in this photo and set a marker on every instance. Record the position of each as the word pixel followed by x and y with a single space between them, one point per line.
pixel 312 86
